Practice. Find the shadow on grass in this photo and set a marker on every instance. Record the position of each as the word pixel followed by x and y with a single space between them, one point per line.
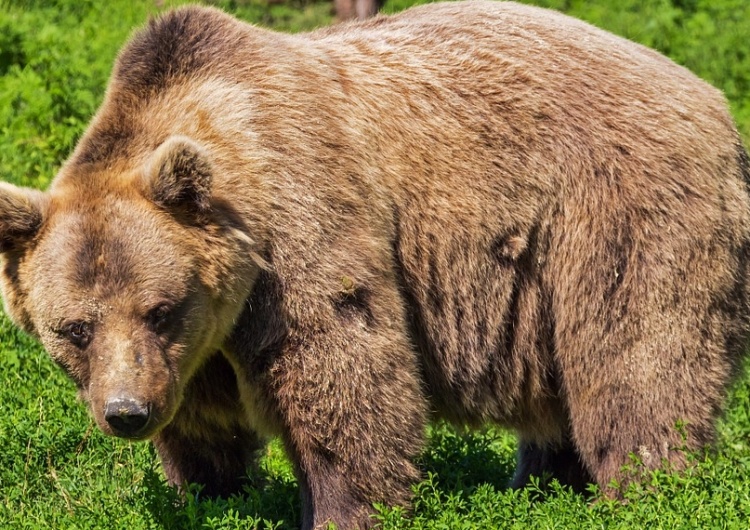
pixel 266 502
pixel 461 461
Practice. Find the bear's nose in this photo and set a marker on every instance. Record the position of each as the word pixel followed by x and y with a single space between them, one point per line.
pixel 126 416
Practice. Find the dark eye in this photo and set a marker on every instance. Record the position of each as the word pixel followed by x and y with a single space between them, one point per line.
pixel 158 318
pixel 78 333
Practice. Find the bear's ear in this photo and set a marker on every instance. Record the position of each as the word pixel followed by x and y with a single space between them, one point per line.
pixel 179 177
pixel 21 215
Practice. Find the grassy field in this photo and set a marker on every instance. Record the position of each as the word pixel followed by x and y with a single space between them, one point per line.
pixel 58 471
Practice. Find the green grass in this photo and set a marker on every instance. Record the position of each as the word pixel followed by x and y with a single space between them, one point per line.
pixel 58 471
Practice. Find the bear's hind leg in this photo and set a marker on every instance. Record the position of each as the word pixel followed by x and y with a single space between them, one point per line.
pixel 560 462
pixel 658 404
pixel 650 324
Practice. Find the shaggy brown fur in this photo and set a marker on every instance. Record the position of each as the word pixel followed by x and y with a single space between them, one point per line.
pixel 480 211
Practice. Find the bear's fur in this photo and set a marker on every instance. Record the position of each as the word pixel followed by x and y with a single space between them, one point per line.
pixel 479 211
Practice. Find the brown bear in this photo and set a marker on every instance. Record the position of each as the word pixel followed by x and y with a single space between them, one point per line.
pixel 478 211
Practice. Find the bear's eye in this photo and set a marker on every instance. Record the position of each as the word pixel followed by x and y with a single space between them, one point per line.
pixel 78 333
pixel 158 318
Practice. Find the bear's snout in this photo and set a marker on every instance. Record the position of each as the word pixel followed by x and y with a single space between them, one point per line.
pixel 127 416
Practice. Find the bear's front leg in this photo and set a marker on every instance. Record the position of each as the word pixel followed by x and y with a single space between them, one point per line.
pixel 353 414
pixel 322 348
pixel 208 442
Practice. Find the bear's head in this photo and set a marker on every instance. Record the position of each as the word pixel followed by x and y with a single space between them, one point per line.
pixel 130 278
